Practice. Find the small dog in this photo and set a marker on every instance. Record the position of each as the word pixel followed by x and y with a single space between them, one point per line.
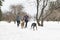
pixel 22 23
pixel 34 25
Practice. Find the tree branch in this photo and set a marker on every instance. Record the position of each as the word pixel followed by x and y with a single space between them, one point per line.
pixel 43 8
pixel 39 0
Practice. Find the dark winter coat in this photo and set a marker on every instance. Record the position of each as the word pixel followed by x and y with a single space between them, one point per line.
pixel 26 17
pixel 18 18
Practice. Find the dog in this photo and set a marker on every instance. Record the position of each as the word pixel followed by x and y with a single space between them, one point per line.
pixel 22 24
pixel 34 25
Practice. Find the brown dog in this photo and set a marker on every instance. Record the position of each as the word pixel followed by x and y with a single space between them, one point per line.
pixel 22 23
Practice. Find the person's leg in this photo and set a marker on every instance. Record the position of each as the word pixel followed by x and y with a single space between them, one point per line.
pixel 18 22
pixel 26 25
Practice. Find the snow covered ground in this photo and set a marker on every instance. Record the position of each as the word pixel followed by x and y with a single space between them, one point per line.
pixel 10 31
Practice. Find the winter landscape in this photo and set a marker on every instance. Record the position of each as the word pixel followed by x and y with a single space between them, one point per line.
pixel 17 16
pixel 10 31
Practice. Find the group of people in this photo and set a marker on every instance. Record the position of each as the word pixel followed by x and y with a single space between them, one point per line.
pixel 25 18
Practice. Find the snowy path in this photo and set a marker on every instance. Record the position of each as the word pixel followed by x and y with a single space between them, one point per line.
pixel 10 31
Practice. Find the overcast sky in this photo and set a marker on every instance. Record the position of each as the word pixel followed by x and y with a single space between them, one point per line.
pixel 29 5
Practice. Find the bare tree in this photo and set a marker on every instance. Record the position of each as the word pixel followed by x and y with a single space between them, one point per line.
pixel 54 7
pixel 50 10
pixel 15 9
pixel 45 2
pixel 0 9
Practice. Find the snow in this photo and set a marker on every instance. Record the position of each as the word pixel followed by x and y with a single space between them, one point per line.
pixel 10 31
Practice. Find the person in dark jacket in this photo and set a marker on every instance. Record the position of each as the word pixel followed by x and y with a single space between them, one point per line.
pixel 18 20
pixel 26 18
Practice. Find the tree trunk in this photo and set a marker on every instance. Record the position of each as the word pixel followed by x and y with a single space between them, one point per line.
pixel 38 22
pixel 42 11
pixel 42 21
pixel 0 14
pixel 37 13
